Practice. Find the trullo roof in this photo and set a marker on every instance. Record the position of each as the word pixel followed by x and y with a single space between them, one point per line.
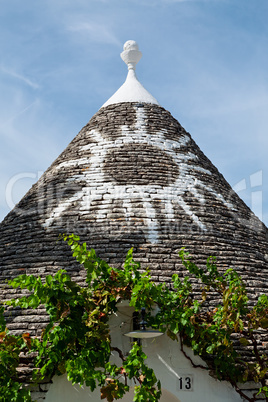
pixel 132 177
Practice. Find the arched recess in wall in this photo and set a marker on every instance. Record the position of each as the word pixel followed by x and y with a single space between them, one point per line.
pixel 61 390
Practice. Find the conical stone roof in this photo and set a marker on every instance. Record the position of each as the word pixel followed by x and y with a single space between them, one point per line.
pixel 132 177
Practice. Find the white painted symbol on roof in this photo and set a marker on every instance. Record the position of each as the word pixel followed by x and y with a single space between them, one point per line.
pixel 94 179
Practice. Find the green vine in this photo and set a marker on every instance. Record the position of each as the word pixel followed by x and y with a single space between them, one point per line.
pixel 77 339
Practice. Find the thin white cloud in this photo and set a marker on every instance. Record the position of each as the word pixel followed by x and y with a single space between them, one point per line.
pixel 96 32
pixel 19 77
pixel 25 109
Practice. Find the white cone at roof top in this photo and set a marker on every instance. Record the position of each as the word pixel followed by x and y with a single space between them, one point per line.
pixel 132 90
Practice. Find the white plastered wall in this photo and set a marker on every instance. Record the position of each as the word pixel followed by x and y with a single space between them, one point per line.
pixel 172 368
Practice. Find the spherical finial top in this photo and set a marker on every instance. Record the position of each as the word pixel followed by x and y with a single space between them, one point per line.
pixel 131 45
pixel 131 54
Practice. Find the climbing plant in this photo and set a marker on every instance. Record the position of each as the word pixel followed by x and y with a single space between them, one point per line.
pixel 77 339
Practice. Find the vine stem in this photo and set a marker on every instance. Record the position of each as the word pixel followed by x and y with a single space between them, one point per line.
pixel 122 357
pixel 241 393
pixel 189 358
pixel 119 351
pixel 234 384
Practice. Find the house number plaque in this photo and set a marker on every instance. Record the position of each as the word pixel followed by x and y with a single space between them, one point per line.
pixel 185 382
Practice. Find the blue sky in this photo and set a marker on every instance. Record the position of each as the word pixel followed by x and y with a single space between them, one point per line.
pixel 205 61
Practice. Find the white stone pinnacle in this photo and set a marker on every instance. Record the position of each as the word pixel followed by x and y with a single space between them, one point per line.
pixel 132 90
pixel 131 54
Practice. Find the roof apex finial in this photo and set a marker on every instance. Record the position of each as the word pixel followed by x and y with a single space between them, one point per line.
pixel 131 54
pixel 132 90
